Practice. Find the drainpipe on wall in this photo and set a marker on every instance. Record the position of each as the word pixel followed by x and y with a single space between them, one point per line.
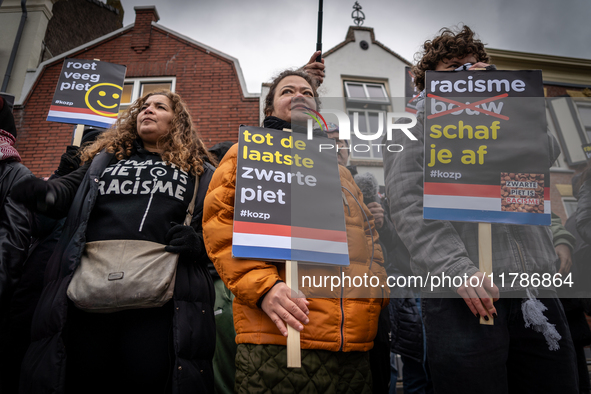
pixel 17 41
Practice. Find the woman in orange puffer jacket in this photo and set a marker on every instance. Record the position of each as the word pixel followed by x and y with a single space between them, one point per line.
pixel 336 332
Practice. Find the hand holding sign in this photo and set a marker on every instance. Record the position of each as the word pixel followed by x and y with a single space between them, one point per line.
pixel 283 306
pixel 563 252
pixel 478 298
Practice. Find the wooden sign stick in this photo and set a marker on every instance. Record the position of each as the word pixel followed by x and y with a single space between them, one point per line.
pixel 294 353
pixel 485 257
pixel 78 135
pixel 79 129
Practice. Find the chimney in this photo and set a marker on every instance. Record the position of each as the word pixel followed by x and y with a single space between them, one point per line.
pixel 144 16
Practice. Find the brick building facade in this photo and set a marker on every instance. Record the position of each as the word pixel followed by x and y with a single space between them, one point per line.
pixel 209 81
pixel 76 22
pixel 566 85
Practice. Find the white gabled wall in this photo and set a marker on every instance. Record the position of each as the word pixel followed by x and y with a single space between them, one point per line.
pixel 30 47
pixel 351 62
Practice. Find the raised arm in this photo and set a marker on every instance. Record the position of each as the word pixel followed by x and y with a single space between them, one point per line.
pixel 51 198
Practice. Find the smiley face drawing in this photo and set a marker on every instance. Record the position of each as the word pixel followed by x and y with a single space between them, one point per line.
pixel 104 97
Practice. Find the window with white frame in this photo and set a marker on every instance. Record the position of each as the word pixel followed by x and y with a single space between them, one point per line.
pixel 567 121
pixel 134 88
pixel 366 92
pixel 584 108
pixel 368 122
pixel 559 163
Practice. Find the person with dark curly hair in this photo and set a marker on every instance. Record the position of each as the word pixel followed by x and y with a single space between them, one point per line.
pixel 530 336
pixel 136 182
pixel 449 51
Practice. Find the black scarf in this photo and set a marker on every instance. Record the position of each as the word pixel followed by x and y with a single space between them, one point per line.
pixel 273 122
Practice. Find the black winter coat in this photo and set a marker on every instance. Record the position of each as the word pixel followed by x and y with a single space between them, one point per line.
pixel 407 328
pixel 15 231
pixel 405 319
pixel 44 366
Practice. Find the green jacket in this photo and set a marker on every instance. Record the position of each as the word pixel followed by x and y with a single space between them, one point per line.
pixel 559 234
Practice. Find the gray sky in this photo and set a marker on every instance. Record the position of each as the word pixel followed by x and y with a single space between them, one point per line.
pixel 267 36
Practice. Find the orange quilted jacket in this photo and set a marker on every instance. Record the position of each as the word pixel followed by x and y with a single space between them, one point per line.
pixel 336 324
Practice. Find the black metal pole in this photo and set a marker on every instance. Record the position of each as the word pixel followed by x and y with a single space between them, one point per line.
pixel 319 39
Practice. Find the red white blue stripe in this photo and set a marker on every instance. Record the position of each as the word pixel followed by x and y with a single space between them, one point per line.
pixel 476 203
pixel 79 116
pixel 281 242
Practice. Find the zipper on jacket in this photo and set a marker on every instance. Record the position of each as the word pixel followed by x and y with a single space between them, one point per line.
pixel 518 250
pixel 341 272
pixel 342 315
pixel 346 202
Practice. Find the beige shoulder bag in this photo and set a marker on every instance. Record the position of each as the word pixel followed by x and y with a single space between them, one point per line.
pixel 115 275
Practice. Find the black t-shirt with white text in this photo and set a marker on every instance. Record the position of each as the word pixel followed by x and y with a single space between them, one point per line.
pixel 138 198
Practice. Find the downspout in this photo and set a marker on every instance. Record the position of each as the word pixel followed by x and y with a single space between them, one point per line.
pixel 17 41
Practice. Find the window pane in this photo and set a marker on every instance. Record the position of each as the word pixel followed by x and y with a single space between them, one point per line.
pixel 362 122
pixel 153 87
pixel 374 123
pixel 376 92
pixel 127 92
pixel 567 126
pixel 356 91
pixel 378 150
pixel 358 144
pixel 550 122
pixel 570 206
pixel 359 147
pixel 585 113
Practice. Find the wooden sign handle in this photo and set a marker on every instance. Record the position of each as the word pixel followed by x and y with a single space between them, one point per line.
pixel 485 257
pixel 294 353
pixel 79 129
pixel 78 135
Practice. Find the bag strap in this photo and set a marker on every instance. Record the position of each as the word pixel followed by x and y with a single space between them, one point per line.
pixel 191 207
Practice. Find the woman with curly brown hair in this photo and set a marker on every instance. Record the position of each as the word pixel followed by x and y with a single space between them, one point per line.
pixel 136 183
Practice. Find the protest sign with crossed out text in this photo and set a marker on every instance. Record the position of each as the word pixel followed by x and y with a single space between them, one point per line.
pixel 486 147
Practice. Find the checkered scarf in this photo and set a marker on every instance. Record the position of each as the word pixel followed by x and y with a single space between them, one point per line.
pixel 7 150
